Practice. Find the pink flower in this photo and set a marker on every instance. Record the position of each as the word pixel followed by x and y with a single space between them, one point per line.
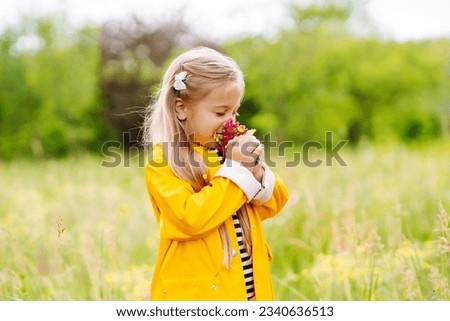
pixel 231 129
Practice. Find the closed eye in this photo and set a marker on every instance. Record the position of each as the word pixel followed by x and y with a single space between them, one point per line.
pixel 221 114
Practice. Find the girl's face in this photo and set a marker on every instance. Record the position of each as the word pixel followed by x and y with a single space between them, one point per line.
pixel 207 116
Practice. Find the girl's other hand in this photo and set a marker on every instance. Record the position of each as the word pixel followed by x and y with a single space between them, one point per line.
pixel 247 150
pixel 258 170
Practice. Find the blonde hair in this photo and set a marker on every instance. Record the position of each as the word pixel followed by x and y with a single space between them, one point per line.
pixel 206 70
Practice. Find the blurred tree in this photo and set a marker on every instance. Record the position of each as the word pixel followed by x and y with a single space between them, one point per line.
pixel 18 103
pixel 63 72
pixel 318 77
pixel 57 107
pixel 64 90
pixel 296 79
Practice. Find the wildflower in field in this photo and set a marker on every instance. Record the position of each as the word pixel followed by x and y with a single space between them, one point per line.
pixel 130 284
pixel 231 129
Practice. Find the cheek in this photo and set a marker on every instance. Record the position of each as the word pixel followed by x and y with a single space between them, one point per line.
pixel 201 130
pixel 207 133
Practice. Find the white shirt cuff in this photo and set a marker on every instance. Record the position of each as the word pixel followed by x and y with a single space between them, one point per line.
pixel 267 186
pixel 241 176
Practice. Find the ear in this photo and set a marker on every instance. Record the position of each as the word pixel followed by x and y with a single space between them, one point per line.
pixel 180 109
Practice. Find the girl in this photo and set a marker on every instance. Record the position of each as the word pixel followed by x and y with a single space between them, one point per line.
pixel 212 245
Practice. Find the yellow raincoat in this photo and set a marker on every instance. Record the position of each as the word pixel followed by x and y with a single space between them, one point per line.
pixel 189 262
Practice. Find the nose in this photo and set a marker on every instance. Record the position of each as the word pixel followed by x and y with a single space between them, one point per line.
pixel 233 116
pixel 221 128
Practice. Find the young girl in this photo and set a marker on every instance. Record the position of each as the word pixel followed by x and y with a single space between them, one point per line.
pixel 212 245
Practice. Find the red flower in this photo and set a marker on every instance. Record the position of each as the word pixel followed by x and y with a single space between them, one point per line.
pixel 231 129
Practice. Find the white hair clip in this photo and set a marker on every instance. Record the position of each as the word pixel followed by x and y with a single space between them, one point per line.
pixel 179 81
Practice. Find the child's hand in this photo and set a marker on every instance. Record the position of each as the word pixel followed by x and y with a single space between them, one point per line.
pixel 258 170
pixel 247 150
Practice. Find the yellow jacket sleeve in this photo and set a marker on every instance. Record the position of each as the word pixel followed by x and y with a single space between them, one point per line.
pixel 184 214
pixel 276 202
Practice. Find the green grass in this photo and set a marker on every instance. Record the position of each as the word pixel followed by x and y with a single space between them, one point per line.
pixel 376 229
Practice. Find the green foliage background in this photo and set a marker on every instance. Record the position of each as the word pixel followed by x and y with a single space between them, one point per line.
pixel 317 77
pixel 64 89
pixel 50 100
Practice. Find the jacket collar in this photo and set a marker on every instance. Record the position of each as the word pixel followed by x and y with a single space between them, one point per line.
pixel 212 159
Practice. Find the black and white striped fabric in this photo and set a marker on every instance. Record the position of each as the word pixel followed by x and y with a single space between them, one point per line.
pixel 245 258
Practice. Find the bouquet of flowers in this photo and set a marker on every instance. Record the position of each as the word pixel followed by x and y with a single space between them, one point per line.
pixel 231 129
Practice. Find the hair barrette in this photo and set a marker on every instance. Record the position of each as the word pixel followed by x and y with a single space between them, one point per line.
pixel 179 81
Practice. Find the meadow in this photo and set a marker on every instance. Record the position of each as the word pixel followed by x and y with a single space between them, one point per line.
pixel 376 229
